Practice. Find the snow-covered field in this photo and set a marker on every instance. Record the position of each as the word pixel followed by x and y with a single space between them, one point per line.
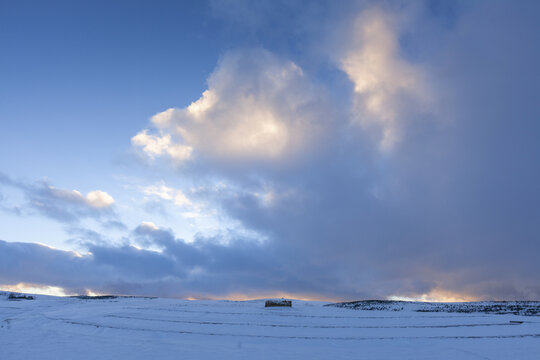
pixel 145 328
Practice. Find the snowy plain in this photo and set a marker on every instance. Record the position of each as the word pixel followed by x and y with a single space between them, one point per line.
pixel 153 328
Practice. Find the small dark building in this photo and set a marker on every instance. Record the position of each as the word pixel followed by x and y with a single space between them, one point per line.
pixel 282 302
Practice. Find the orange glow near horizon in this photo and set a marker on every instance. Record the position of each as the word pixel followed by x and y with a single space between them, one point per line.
pixel 270 295
pixel 436 295
pixel 36 289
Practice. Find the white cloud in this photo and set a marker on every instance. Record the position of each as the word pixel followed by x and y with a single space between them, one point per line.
pixel 96 198
pixel 149 225
pixel 154 145
pixel 257 106
pixel 191 214
pixel 270 197
pixel 198 108
pixel 167 193
pixel 381 78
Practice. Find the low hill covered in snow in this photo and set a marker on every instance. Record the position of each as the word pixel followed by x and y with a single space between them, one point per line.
pixel 111 327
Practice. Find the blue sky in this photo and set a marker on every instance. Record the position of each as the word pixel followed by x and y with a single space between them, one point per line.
pixel 97 71
pixel 237 149
pixel 79 77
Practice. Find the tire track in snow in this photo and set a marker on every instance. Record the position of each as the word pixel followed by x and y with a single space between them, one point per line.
pixel 306 316
pixel 312 326
pixel 345 338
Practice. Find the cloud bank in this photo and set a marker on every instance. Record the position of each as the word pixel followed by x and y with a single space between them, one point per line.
pixel 449 206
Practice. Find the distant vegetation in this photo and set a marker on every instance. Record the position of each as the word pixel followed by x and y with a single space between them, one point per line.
pixel 528 308
pixel 13 296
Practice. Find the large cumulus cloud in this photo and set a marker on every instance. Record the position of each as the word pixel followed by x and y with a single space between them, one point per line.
pixel 258 107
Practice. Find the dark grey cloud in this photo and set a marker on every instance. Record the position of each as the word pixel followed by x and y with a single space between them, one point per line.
pixel 113 224
pixel 455 206
pixel 86 237
pixel 201 269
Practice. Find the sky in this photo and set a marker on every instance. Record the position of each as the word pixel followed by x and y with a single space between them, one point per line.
pixel 241 149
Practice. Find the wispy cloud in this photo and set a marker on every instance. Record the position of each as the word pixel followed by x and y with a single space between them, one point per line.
pixel 67 206
pixel 165 192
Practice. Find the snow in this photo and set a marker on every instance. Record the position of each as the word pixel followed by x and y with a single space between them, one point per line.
pixel 152 328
